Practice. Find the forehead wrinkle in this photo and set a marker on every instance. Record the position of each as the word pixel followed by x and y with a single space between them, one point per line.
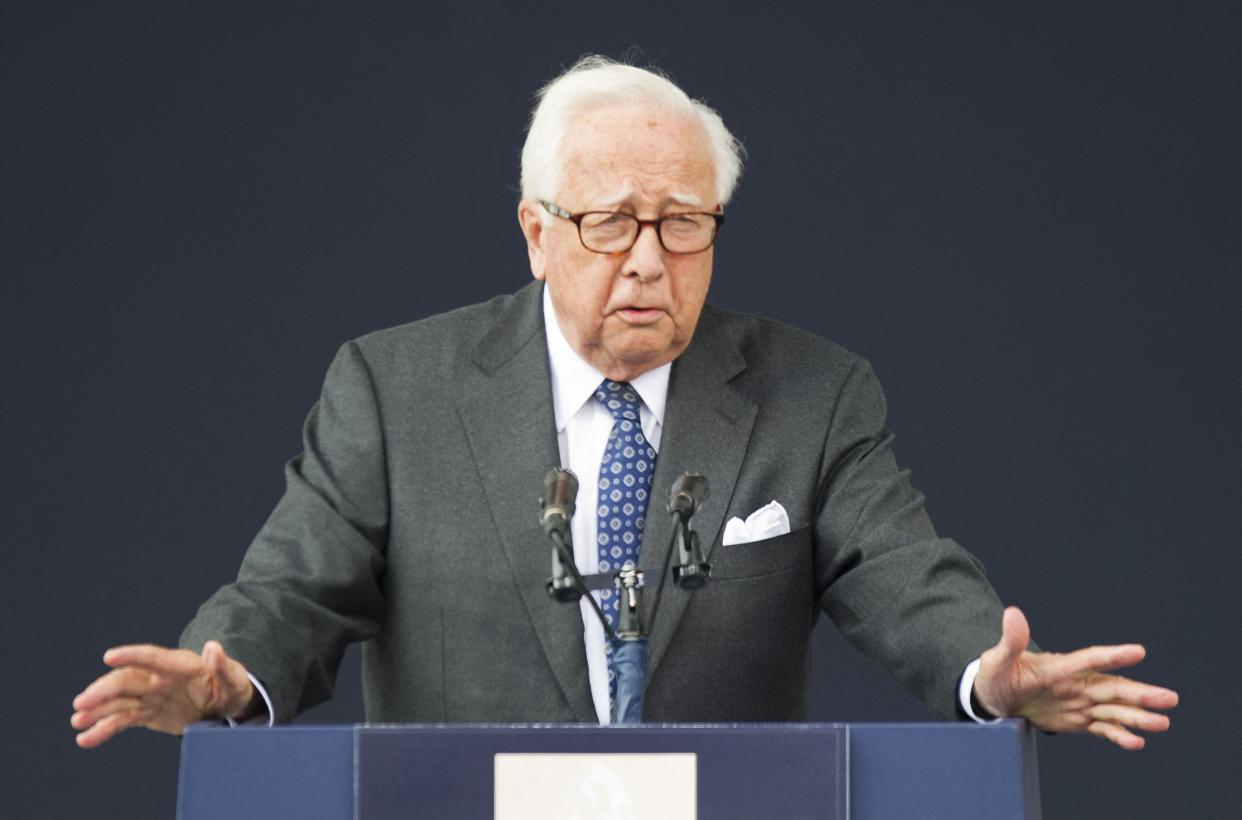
pixel 619 157
pixel 659 182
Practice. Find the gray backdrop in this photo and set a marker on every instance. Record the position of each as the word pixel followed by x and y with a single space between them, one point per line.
pixel 1027 217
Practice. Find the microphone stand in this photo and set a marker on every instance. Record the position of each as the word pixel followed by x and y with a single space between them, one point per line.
pixel 556 507
pixel 689 491
pixel 628 641
pixel 629 648
pixel 558 584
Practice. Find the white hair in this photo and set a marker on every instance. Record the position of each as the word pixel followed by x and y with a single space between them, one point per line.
pixel 596 82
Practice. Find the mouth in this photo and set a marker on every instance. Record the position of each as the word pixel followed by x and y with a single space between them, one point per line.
pixel 639 315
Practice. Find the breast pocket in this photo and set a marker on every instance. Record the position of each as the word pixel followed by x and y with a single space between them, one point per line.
pixel 768 556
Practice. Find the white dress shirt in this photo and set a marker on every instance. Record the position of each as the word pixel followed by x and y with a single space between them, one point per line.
pixel 582 428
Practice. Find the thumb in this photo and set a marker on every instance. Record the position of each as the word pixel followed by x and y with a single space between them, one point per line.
pixel 992 686
pixel 232 683
pixel 1015 635
pixel 216 660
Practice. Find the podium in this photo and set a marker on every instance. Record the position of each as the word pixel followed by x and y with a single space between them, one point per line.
pixel 860 771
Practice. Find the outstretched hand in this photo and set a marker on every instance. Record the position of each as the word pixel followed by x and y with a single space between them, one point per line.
pixel 162 689
pixel 1070 692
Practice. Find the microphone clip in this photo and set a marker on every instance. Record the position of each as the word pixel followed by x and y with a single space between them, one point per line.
pixel 691 572
pixel 629 583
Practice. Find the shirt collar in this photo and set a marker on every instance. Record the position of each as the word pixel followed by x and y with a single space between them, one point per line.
pixel 574 380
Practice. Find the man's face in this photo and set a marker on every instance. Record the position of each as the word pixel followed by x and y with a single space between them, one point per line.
pixel 626 313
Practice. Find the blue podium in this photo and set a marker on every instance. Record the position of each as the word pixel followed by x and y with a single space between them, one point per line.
pixel 820 770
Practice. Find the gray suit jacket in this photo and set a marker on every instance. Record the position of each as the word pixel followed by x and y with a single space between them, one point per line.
pixel 410 522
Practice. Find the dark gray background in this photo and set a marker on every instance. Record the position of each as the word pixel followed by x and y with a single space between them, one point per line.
pixel 1027 217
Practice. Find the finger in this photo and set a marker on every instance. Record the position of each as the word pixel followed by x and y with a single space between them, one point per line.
pixel 127 682
pixel 1158 697
pixel 1099 659
pixel 89 696
pixel 155 658
pixel 1130 716
pixel 85 718
pixel 1117 734
pixel 105 729
pixel 1117 689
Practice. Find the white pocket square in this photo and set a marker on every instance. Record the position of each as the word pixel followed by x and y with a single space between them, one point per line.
pixel 768 521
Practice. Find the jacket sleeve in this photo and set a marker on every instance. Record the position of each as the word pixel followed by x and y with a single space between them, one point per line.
pixel 310 582
pixel 917 604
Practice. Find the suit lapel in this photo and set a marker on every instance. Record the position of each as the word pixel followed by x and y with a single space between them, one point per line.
pixel 707 426
pixel 505 406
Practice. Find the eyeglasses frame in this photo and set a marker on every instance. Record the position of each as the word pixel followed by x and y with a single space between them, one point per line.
pixel 557 210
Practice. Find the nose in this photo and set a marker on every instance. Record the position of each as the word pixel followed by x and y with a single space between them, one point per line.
pixel 646 258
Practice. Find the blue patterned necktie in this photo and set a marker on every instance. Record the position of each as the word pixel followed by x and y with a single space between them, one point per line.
pixel 624 483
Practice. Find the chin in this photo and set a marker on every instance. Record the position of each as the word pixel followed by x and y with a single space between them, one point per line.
pixel 641 349
pixel 642 359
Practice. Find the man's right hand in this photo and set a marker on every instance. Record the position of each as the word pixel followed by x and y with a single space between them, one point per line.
pixel 162 689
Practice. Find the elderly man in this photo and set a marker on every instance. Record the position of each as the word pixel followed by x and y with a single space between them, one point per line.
pixel 409 521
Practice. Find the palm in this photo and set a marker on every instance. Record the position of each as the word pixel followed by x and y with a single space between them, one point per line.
pixel 179 698
pixel 1070 692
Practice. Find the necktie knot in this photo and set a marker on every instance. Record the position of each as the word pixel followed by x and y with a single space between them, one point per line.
pixel 620 398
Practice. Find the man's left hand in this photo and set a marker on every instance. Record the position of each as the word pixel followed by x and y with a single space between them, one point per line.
pixel 1070 692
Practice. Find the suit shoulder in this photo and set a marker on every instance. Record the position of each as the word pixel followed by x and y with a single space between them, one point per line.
pixel 443 340
pixel 458 322
pixel 772 346
pixel 787 367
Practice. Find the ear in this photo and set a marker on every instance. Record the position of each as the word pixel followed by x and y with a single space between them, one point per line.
pixel 532 228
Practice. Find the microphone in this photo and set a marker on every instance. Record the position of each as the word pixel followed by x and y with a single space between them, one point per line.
pixel 560 489
pixel 687 494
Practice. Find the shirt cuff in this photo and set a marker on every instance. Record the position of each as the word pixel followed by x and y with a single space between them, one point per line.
pixel 267 701
pixel 964 690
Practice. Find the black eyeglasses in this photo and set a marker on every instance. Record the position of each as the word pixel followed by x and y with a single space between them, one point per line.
pixel 611 232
